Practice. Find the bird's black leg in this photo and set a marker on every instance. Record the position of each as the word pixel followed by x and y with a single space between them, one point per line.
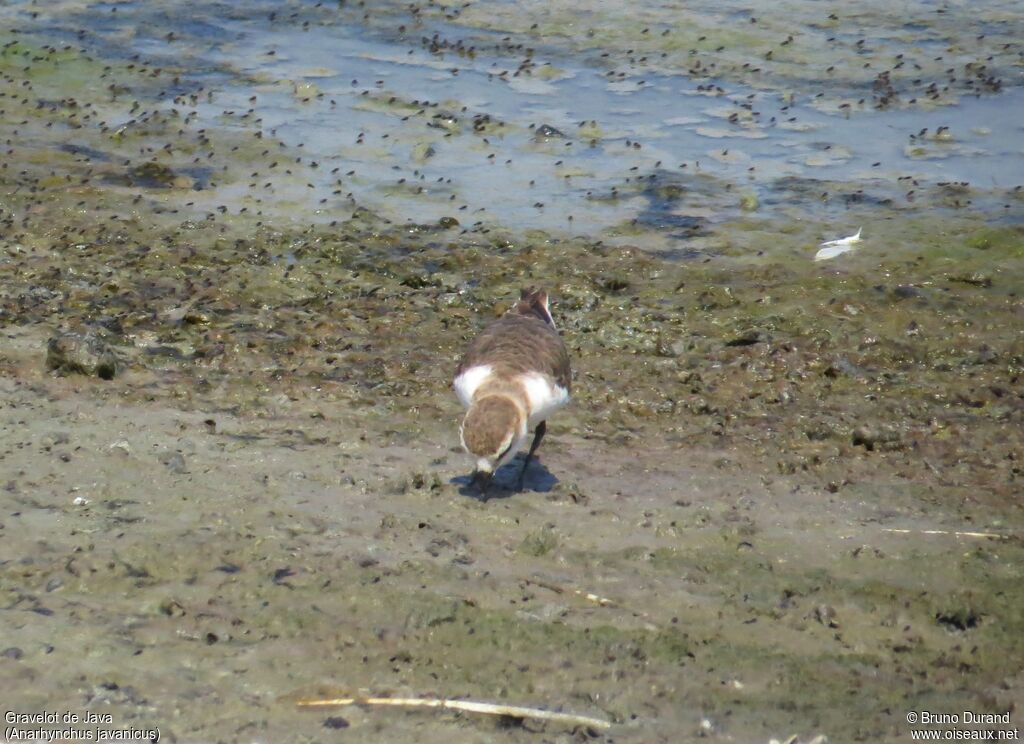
pixel 537 436
pixel 482 481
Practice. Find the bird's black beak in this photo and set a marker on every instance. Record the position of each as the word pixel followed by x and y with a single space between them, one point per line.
pixel 482 480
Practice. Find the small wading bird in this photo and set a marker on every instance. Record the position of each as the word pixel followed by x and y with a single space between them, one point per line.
pixel 513 376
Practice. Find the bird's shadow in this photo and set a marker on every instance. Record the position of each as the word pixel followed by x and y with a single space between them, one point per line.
pixel 505 482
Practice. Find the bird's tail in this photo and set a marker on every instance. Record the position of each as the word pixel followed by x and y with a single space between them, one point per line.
pixel 533 302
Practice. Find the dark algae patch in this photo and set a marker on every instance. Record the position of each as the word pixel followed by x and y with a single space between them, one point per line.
pixel 785 500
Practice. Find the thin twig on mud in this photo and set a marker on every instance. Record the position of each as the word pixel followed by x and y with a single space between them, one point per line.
pixel 603 601
pixel 948 532
pixel 514 711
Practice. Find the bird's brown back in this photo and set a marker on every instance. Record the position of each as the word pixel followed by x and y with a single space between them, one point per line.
pixel 523 340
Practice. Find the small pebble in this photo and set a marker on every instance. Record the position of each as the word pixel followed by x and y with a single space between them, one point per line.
pixel 81 353
pixel 175 462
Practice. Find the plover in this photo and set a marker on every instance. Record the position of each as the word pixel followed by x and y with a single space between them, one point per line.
pixel 514 375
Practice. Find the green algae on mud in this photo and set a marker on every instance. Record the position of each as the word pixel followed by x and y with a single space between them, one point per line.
pixel 924 321
pixel 113 131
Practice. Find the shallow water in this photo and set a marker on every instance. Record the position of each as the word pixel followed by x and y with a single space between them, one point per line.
pixel 436 112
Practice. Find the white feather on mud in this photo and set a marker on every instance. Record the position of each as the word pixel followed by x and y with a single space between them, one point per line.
pixel 833 248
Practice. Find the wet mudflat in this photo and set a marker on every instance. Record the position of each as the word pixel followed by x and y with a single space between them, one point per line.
pixel 764 469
